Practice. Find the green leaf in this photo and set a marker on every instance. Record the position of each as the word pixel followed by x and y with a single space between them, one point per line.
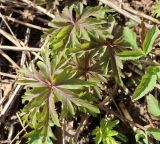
pixel 154 132
pixel 153 106
pixel 146 85
pixel 112 124
pixel 151 36
pixel 85 104
pixel 131 55
pixel 116 66
pixel 34 137
pixel 98 12
pixel 130 37
pixel 156 10
pixel 76 84
pixel 105 132
pixel 98 138
pixel 69 32
pixel 153 69
pixel 141 135
pixel 31 83
pixel 37 101
pixel 52 111
pixel 122 137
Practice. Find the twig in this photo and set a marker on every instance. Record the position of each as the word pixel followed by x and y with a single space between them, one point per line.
pixel 21 122
pixel 9 28
pixel 39 8
pixel 125 111
pixel 8 75
pixel 10 103
pixel 125 13
pixel 15 48
pixel 9 59
pixel 11 132
pixel 18 135
pixel 140 14
pixel 25 23
pixel 10 37
pixel 116 105
pixel 23 57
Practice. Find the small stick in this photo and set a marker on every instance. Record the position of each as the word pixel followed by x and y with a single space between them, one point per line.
pixel 11 132
pixel 125 13
pixel 9 59
pixel 25 23
pixel 9 103
pixel 21 122
pixel 140 14
pixel 10 37
pixel 8 75
pixel 125 111
pixel 9 28
pixel 23 57
pixel 18 134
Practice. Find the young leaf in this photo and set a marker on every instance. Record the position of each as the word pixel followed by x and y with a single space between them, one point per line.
pixel 146 85
pixel 97 131
pixel 153 106
pixel 156 10
pixel 131 55
pixel 154 132
pixel 141 136
pixel 149 39
pixel 105 133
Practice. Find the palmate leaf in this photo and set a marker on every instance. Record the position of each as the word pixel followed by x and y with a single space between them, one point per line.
pixel 70 30
pixel 53 87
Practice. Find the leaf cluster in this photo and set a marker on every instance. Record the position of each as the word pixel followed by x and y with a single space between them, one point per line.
pixel 105 133
pixel 84 48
